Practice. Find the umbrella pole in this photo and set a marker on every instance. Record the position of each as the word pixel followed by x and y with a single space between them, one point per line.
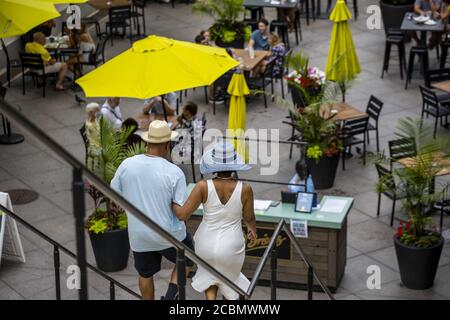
pixel 343 90
pixel 164 108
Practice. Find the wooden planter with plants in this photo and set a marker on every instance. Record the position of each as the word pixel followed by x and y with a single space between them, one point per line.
pixel 107 225
pixel 227 31
pixel 418 245
pixel 310 91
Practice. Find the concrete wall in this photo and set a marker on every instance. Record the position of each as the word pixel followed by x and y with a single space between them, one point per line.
pixel 15 44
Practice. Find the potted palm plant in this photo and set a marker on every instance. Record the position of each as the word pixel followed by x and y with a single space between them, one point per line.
pixel 417 244
pixel 107 225
pixel 227 30
pixel 311 93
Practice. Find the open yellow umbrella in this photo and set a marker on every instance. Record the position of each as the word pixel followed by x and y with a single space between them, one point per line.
pixel 155 66
pixel 342 63
pixel 19 16
pixel 238 89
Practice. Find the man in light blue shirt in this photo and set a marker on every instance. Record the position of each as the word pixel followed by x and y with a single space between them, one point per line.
pixel 151 184
pixel 260 38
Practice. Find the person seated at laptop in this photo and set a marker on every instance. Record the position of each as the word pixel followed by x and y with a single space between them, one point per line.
pixel 301 177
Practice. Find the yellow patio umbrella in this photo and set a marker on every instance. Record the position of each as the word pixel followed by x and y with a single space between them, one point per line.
pixel 155 66
pixel 238 89
pixel 19 16
pixel 342 63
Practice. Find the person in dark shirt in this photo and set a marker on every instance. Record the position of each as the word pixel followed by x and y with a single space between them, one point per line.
pixel 187 117
pixel 133 138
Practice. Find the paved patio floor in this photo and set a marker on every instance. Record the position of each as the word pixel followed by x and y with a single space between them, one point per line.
pixel 31 165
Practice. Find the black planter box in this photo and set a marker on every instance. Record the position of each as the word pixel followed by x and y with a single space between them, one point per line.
pixel 323 172
pixel 111 250
pixel 418 266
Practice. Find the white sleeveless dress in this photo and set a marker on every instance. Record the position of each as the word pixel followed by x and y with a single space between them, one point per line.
pixel 219 240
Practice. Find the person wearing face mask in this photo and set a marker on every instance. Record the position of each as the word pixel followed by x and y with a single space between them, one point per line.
pixel 111 112
pixel 93 128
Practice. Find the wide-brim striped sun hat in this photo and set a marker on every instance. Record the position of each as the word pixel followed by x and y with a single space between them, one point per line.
pixel 222 157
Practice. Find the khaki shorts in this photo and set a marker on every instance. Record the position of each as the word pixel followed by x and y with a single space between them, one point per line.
pixel 53 68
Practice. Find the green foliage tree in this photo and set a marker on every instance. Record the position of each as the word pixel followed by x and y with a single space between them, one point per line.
pixel 417 181
pixel 226 13
pixel 107 215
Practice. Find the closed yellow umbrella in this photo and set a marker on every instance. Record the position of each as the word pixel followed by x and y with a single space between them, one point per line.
pixel 19 16
pixel 155 66
pixel 238 89
pixel 342 63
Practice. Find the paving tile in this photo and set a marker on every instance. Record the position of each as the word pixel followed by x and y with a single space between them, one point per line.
pixel 396 291
pixel 388 257
pixel 370 235
pixel 355 276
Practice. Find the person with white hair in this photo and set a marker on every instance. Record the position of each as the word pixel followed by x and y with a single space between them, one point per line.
pixel 219 239
pixel 92 125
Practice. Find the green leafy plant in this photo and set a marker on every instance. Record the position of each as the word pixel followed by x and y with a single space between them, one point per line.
pixel 417 182
pixel 113 150
pixel 226 27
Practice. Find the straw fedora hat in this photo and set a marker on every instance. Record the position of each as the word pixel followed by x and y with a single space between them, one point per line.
pixel 222 157
pixel 158 132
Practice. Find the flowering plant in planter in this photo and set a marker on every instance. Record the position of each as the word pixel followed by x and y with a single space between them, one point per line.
pixel 318 131
pixel 308 78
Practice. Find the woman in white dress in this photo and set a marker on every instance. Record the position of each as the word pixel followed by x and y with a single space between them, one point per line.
pixel 219 239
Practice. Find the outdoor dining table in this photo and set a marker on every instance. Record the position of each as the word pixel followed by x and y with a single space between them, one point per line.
pixel 106 4
pixel 408 24
pixel 342 110
pixel 440 160
pixel 248 63
pixel 144 120
pixel 443 86
pixel 280 4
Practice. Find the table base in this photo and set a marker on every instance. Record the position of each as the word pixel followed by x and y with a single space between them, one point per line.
pixel 13 138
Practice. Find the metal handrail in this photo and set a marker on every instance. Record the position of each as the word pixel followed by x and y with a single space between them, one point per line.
pixel 270 249
pixel 67 251
pixel 264 257
pixel 79 170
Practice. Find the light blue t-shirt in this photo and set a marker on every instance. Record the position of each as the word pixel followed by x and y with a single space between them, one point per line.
pixel 151 184
pixel 261 41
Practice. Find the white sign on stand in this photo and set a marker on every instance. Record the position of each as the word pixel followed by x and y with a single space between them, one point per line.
pixel 10 243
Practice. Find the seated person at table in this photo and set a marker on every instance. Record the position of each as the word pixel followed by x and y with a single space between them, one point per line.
pixel 133 138
pixel 186 120
pixel 445 13
pixel 431 8
pixel 289 15
pixel 154 105
pixel 82 40
pixel 203 38
pixel 50 64
pixel 300 178
pixel 260 38
pixel 277 52
pixel 111 112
